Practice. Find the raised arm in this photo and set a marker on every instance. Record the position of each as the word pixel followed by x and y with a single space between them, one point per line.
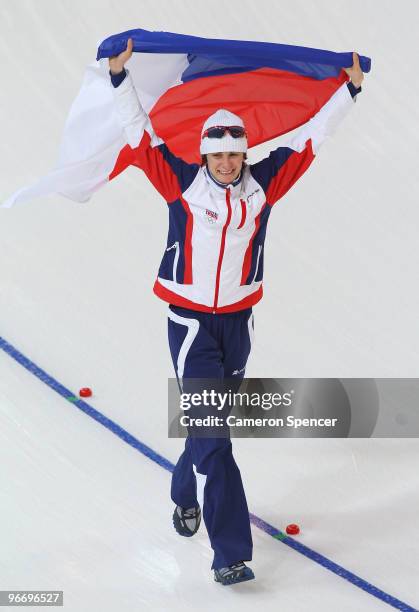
pixel 284 166
pixel 169 174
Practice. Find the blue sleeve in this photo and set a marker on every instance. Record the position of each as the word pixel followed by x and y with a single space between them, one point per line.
pixel 352 89
pixel 116 79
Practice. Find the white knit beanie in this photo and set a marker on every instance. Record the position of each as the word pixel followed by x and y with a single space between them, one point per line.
pixel 227 143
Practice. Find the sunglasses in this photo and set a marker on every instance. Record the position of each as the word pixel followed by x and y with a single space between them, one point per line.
pixel 218 131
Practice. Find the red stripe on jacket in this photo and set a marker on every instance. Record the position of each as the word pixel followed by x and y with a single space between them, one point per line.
pixel 176 299
pixel 289 173
pixel 187 249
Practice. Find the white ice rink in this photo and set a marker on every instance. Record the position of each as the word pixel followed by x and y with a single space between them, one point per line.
pixel 83 511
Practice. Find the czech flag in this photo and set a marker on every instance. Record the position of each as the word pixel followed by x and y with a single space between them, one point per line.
pixel 181 80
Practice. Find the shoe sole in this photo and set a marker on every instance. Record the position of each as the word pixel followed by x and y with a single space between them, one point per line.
pixel 182 533
pixel 179 529
pixel 247 575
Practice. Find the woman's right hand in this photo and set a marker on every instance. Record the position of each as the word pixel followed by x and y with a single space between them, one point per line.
pixel 116 62
pixel 355 72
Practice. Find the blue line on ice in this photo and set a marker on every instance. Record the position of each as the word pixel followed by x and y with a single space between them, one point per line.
pixel 167 465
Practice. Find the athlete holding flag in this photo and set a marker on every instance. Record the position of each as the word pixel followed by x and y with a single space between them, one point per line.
pixel 211 276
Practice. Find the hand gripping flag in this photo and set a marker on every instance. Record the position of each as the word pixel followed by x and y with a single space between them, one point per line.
pixel 180 80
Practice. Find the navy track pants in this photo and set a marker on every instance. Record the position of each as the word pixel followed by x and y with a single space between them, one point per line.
pixel 215 346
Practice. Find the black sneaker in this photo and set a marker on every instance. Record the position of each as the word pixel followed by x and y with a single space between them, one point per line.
pixel 186 521
pixel 238 572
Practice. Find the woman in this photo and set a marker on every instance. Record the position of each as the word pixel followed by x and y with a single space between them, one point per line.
pixel 211 275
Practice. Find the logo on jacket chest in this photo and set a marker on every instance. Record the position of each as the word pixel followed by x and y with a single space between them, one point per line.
pixel 211 216
pixel 250 198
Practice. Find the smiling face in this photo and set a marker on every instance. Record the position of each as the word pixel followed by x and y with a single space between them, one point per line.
pixel 225 167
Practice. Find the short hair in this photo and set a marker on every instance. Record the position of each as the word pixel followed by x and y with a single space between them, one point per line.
pixel 204 158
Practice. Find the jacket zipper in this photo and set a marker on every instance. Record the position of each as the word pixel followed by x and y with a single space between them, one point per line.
pixel 176 259
pixel 221 254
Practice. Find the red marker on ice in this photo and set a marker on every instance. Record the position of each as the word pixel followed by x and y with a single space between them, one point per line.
pixel 292 529
pixel 85 392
